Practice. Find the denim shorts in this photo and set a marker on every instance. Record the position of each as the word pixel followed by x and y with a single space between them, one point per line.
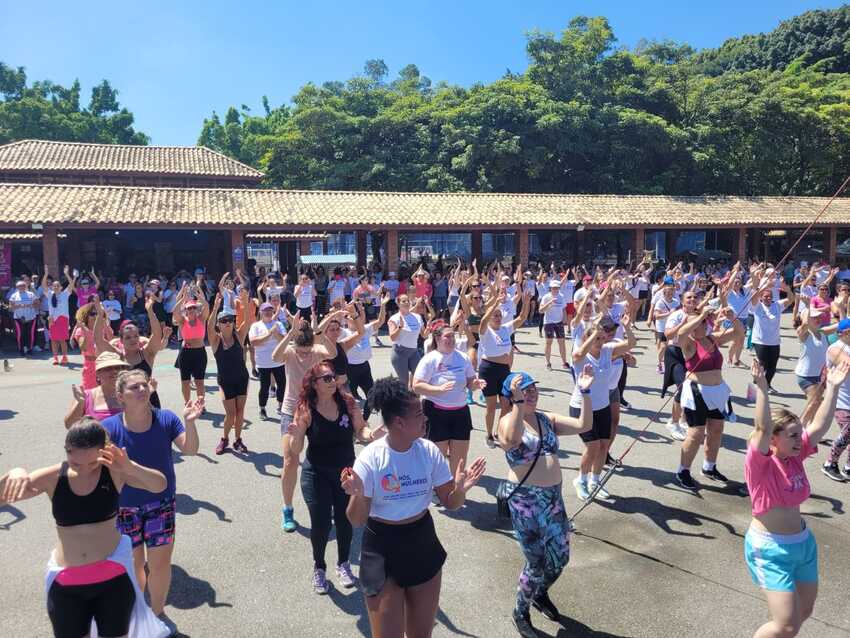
pixel 807 382
pixel 778 561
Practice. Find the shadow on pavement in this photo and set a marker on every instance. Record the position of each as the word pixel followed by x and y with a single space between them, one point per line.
pixel 188 506
pixel 262 461
pixel 448 624
pixel 188 592
pixel 571 628
pixel 17 516
pixel 5 415
pixel 351 602
pixel 662 515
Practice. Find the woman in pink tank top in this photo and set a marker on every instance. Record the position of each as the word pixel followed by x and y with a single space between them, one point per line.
pixel 101 401
pixel 780 551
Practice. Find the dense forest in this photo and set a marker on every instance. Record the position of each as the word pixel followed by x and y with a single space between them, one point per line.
pixel 766 114
pixel 761 114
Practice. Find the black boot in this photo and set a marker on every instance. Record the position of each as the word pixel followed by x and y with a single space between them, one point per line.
pixel 545 606
pixel 523 625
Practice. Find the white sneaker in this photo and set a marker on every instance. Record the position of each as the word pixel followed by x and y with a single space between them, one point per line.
pixel 732 417
pixel 675 430
pixel 602 493
pixel 581 489
pixel 36 349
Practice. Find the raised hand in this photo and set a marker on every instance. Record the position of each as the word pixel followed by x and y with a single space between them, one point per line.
pixel 838 374
pixel 445 387
pixel 757 370
pixel 479 384
pixel 17 486
pixel 465 479
pixel 79 393
pixel 115 458
pixel 193 410
pixel 351 483
pixel 585 379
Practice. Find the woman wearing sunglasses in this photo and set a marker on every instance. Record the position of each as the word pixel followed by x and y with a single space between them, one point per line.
pixel 390 486
pixel 226 339
pixel 329 419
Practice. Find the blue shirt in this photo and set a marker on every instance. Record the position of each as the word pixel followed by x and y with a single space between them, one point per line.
pixel 151 448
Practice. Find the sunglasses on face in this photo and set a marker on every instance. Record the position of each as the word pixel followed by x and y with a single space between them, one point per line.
pixel 327 378
pixel 477 298
pixel 225 320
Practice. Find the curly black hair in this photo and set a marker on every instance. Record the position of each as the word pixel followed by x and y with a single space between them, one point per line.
pixel 391 398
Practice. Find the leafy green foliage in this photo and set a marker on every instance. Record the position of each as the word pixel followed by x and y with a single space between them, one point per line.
pixel 52 112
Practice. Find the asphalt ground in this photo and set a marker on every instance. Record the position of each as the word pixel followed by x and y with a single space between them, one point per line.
pixel 653 560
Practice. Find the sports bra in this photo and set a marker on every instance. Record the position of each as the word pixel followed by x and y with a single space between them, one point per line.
pixel 101 504
pixel 527 448
pixel 188 331
pixel 339 361
pixel 703 360
pixel 90 410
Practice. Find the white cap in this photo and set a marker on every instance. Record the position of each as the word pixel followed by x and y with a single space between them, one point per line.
pixel 555 283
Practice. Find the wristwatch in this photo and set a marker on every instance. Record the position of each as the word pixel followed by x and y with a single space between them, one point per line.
pixel 516 402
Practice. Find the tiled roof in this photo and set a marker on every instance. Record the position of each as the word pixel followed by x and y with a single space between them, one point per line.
pixel 337 210
pixel 26 236
pixel 60 157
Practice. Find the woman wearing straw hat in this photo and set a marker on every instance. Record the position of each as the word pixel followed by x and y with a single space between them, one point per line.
pixel 101 401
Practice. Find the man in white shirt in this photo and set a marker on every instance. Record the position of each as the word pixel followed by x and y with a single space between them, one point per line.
pixel 24 304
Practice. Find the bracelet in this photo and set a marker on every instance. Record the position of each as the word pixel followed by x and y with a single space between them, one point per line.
pixel 584 391
pixel 518 402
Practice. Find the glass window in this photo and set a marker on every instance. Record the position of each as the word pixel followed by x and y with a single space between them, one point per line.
pixel 342 244
pixel 552 245
pixel 655 242
pixel 414 246
pixel 497 246
pixel 609 247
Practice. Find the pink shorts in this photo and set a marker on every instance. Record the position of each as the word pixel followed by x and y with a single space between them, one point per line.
pixel 60 329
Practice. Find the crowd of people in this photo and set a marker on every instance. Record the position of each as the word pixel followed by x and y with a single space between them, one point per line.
pixel 307 341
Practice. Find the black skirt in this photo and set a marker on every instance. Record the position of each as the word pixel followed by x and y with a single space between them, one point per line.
pixel 410 554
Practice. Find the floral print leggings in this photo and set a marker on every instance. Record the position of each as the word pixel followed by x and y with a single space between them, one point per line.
pixel 842 417
pixel 542 529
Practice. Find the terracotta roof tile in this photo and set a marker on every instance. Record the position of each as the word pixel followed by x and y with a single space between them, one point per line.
pixel 336 210
pixel 58 157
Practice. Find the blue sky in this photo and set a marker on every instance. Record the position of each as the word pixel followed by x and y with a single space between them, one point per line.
pixel 173 63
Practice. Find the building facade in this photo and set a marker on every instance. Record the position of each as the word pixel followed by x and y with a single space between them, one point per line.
pixel 162 209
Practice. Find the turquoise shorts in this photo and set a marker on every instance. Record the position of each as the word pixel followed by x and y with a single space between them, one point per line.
pixel 778 561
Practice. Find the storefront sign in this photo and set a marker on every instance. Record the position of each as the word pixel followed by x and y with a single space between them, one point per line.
pixel 5 264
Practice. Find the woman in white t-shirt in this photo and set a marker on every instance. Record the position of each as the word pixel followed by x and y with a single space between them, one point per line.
pixel 405 327
pixel 390 486
pixel 443 377
pixel 305 296
pixel 58 314
pixel 767 315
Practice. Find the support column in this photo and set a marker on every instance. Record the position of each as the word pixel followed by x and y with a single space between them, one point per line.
pixel 581 237
pixel 392 250
pixel 304 247
pixel 831 244
pixel 522 247
pixel 477 248
pixel 741 247
pixel 638 245
pixel 360 247
pixel 237 250
pixel 758 235
pixel 672 240
pixel 50 250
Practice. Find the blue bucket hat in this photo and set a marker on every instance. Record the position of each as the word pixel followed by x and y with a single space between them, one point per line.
pixel 526 382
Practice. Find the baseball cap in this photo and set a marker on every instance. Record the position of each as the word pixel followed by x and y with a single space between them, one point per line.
pixel 843 325
pixel 669 281
pixel 587 278
pixel 526 382
pixel 224 313
pixel 191 304
pixel 266 306
pixel 607 324
pixel 555 283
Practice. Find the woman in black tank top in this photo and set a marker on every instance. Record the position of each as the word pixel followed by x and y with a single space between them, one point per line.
pixel 335 342
pixel 95 580
pixel 329 419
pixel 225 340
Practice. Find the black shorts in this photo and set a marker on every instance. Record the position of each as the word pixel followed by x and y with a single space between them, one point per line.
pixel 553 330
pixel 643 294
pixel 660 337
pixel 601 424
pixel 410 554
pixel 233 388
pixel 192 363
pixel 447 425
pixel 698 418
pixel 305 313
pixel 494 374
pixel 72 607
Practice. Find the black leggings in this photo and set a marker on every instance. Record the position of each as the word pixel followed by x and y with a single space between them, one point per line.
pixel 266 375
pixel 768 356
pixel 323 495
pixel 360 376
pixel 72 607
pixel 621 384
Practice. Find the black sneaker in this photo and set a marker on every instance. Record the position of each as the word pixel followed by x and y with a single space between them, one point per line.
pixel 263 414
pixel 686 481
pixel 545 606
pixel 625 404
pixel 714 475
pixel 845 472
pixel 831 470
pixel 523 625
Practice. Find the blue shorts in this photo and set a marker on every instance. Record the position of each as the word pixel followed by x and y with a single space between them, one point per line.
pixel 778 561
pixel 807 382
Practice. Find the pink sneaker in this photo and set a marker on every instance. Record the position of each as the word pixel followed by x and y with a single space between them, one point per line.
pixel 222 446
